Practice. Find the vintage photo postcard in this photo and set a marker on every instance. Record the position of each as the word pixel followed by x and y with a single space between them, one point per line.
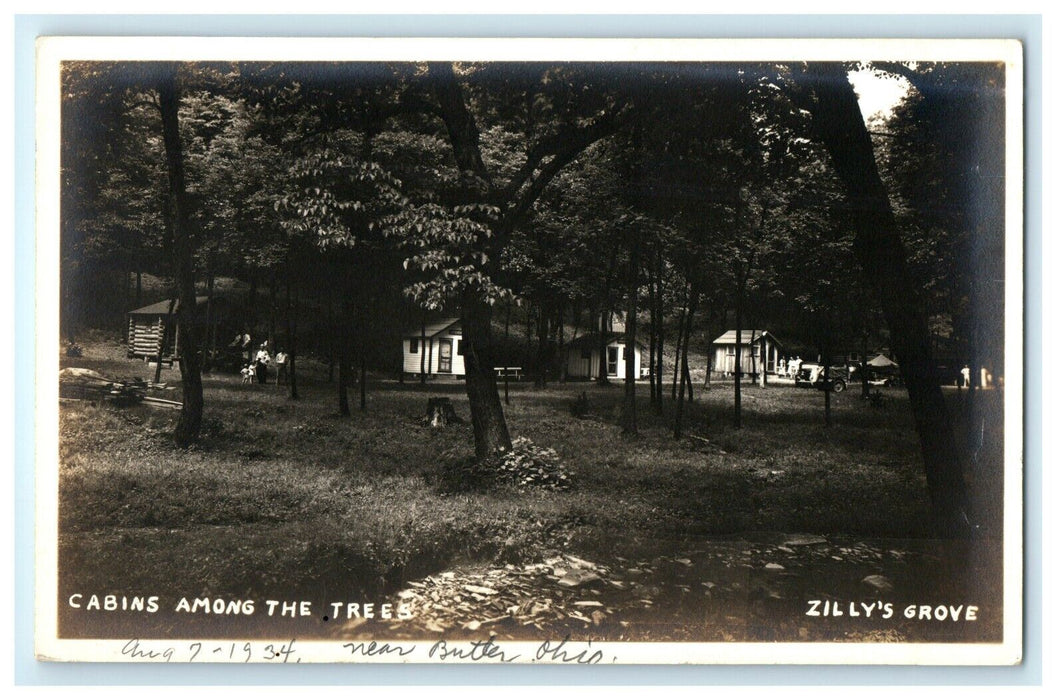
pixel 529 351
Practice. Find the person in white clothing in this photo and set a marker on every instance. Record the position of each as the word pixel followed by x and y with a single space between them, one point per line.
pixel 281 360
pixel 262 361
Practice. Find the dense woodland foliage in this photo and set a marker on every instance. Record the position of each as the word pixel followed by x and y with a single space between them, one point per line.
pixel 349 202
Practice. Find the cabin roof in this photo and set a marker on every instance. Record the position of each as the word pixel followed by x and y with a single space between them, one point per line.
pixel 747 337
pixel 163 307
pixel 591 340
pixel 434 329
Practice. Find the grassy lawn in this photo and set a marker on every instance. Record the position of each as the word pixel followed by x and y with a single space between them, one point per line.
pixel 286 499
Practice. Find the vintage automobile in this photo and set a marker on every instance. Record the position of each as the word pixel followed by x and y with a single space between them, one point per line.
pixel 817 376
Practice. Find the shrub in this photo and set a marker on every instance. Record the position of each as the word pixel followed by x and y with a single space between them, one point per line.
pixel 529 465
pixel 524 466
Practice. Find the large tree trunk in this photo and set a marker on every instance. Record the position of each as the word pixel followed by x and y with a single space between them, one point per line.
pixel 490 433
pixel 188 425
pixel 878 247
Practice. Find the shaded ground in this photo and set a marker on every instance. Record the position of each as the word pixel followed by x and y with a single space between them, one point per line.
pixel 285 500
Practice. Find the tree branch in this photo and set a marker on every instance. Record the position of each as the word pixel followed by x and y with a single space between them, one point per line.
pixel 461 126
pixel 570 143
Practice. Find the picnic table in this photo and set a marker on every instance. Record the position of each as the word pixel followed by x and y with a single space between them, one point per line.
pixel 508 373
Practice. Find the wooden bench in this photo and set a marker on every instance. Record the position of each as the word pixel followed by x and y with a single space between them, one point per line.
pixel 508 373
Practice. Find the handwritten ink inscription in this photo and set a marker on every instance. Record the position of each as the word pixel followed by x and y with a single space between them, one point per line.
pixel 238 652
pixel 560 652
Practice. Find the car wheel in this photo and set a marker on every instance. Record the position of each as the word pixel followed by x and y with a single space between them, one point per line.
pixel 838 385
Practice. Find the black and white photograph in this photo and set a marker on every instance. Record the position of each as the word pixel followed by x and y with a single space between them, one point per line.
pixel 529 351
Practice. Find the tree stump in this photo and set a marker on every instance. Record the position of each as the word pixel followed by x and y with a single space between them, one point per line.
pixel 440 412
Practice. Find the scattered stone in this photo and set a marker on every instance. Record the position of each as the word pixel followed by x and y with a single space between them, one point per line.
pixel 578 577
pixel 804 541
pixel 588 604
pixel 482 590
pixel 577 561
pixel 878 582
pixel 784 548
pixel 774 567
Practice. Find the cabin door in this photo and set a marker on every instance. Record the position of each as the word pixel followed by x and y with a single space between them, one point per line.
pixel 445 355
pixel 611 361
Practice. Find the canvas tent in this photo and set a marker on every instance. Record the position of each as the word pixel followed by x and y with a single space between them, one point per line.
pixel 881 362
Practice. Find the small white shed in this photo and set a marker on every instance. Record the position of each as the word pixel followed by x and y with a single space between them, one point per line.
pixel 442 352
pixel 582 360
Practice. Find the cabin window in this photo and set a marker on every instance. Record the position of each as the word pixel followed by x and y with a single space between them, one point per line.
pixel 413 346
pixel 731 351
pixel 461 347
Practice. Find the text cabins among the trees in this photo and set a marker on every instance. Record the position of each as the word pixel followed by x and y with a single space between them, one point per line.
pixel 435 349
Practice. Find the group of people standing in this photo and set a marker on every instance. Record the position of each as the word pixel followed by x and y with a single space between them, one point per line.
pixel 258 370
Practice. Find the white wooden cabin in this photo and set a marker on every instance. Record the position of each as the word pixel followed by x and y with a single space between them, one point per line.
pixel 443 350
pixel 583 361
pixel 758 350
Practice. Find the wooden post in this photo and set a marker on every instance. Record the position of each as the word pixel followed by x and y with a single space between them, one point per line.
pixel 764 359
